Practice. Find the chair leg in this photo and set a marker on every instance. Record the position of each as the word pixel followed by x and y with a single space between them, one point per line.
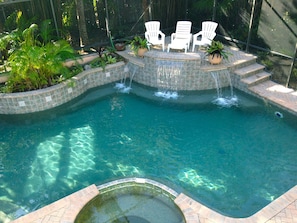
pixel 168 48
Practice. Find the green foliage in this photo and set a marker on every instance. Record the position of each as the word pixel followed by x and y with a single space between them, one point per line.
pixel 74 70
pixel 104 60
pixel 263 58
pixel 203 5
pixel 11 40
pixel 138 42
pixel 46 31
pixel 35 67
pixel 294 72
pixel 217 47
pixel 37 63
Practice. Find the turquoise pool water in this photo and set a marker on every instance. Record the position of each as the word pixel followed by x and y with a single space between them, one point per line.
pixel 235 160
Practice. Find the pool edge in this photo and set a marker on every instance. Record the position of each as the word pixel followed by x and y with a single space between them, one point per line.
pixel 66 209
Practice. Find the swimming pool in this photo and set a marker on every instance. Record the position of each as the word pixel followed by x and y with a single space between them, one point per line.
pixel 235 160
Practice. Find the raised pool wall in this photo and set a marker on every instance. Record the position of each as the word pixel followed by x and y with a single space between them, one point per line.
pixel 176 72
pixel 162 71
pixel 39 100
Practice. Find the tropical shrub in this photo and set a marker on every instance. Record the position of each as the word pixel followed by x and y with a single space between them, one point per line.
pixel 36 67
pixel 12 39
pixel 105 58
pixel 38 62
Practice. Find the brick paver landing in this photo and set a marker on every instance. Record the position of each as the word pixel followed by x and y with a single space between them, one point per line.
pixel 64 210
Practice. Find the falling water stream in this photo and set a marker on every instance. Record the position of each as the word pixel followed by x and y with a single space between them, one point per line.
pixel 168 73
pixel 222 100
pixel 122 85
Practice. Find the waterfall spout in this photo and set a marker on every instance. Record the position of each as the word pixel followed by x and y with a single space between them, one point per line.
pixel 168 73
pixel 221 100
pixel 122 85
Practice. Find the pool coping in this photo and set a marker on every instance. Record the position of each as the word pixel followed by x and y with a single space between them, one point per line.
pixel 66 209
pixel 283 209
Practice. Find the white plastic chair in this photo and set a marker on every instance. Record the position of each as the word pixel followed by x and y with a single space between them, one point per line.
pixel 153 34
pixel 181 39
pixel 207 34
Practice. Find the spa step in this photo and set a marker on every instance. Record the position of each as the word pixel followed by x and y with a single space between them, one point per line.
pixel 249 70
pixel 256 79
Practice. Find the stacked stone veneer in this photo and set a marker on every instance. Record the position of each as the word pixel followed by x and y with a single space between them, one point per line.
pixel 176 72
pixel 39 100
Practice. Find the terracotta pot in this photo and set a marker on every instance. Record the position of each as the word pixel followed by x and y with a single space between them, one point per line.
pixel 141 52
pixel 120 46
pixel 215 58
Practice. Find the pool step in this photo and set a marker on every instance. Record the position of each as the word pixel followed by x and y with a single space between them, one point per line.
pixel 239 64
pixel 256 79
pixel 252 75
pixel 249 70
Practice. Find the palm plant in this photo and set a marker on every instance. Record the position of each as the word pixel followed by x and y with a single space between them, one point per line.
pixel 138 43
pixel 38 63
pixel 217 47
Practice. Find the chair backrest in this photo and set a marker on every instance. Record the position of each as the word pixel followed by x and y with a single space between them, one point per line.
pixel 208 31
pixel 152 29
pixel 183 29
pixel 207 37
pixel 209 26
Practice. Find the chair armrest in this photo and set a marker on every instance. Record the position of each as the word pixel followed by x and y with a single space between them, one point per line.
pixel 173 36
pixel 197 34
pixel 161 34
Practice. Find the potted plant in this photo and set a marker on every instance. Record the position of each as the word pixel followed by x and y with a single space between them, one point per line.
pixel 216 52
pixel 139 45
pixel 120 46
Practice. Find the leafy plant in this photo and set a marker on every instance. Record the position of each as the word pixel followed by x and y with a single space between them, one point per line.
pixel 37 64
pixel 217 47
pixel 138 42
pixel 104 60
pixel 263 58
pixel 11 40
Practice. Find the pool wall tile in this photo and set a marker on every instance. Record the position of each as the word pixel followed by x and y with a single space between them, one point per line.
pixel 39 100
pixel 165 71
pixel 178 74
pixel 182 74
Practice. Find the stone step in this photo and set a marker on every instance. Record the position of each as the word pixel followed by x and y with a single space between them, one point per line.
pixel 249 60
pixel 256 78
pixel 249 70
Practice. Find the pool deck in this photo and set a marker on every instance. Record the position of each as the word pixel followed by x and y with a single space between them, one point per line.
pixel 281 210
pixel 65 210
